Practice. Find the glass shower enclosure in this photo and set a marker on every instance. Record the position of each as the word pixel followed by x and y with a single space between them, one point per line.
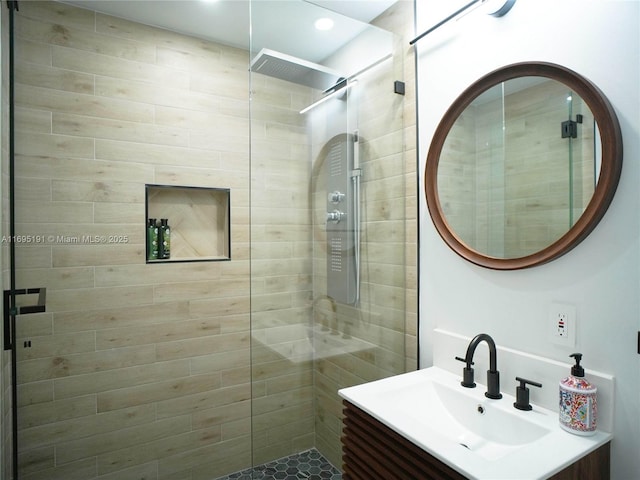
pixel 278 166
pixel 327 223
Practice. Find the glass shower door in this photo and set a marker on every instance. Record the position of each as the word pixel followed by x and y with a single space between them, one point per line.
pixel 138 368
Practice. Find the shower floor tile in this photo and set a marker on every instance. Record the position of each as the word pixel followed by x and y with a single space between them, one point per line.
pixel 307 465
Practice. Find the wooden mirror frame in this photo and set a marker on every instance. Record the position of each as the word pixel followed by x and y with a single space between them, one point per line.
pixel 611 142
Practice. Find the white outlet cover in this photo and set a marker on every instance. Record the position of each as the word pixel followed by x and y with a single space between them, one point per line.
pixel 568 313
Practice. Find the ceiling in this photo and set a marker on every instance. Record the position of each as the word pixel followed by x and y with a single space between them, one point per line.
pixel 282 25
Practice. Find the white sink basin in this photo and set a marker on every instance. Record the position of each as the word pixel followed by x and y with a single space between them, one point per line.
pixel 479 437
pixel 476 424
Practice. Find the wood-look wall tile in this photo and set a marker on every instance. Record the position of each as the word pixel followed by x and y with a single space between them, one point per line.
pixel 56 278
pixel 54 145
pixel 120 27
pixel 156 275
pixel 210 177
pixel 182 117
pixel 37 53
pixel 217 362
pixel 54 212
pixel 97 382
pixel 81 363
pixel 143 471
pixel 207 459
pixel 79 429
pixel 35 392
pixel 58 345
pixel 81 169
pixel 160 448
pixel 80 470
pixel 156 392
pixel 202 346
pixel 200 289
pixel 36 459
pixel 56 234
pixel 94 127
pixel 34 324
pixel 41 413
pixel 85 40
pixel 221 415
pixel 32 189
pixel 30 120
pixel 144 335
pixel 119 317
pixel 91 191
pixel 126 437
pixel 61 14
pixel 164 94
pixel 151 154
pixel 103 65
pixel 183 59
pixel 82 104
pixel 119 213
pixel 229 456
pixel 96 298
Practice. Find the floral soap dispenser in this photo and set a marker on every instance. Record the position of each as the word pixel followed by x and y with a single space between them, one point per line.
pixel 578 402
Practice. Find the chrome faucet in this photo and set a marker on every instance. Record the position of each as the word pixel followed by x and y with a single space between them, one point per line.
pixel 493 376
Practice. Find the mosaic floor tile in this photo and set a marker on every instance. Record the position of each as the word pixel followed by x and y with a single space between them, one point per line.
pixel 307 465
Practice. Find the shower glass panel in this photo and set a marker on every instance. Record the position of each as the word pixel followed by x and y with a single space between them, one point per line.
pixel 327 223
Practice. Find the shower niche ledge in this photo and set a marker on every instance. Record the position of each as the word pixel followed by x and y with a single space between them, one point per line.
pixel 198 219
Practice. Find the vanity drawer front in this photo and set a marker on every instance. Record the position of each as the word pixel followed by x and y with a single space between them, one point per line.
pixel 372 451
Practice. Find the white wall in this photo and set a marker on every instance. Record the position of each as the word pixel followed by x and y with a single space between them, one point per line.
pixel 601 277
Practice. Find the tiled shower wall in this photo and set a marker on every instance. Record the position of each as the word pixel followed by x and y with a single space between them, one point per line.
pixel 135 371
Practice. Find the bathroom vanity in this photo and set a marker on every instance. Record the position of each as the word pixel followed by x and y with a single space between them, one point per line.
pixel 373 451
pixel 425 425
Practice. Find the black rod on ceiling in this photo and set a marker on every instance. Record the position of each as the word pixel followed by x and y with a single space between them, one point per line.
pixel 439 24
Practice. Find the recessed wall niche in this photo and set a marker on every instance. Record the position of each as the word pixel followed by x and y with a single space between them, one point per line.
pixel 198 219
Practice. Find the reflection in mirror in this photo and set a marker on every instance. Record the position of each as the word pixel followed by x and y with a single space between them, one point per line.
pixel 523 166
pixel 504 190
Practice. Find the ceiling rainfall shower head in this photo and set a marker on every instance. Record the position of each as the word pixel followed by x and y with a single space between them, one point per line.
pixel 293 69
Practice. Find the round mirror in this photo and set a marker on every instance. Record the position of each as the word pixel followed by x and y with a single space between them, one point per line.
pixel 523 166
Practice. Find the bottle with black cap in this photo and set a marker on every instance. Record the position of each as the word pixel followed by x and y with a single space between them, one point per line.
pixel 152 239
pixel 164 239
pixel 578 401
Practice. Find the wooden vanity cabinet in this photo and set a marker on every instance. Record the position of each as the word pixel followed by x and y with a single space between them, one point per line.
pixel 372 451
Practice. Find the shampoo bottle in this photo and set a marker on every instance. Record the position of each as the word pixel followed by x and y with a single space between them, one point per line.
pixel 578 401
pixel 165 239
pixel 152 239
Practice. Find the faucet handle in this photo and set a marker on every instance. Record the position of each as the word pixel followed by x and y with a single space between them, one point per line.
pixel 467 373
pixel 464 360
pixel 522 393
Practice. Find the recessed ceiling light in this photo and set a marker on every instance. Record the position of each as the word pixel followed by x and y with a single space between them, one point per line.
pixel 324 24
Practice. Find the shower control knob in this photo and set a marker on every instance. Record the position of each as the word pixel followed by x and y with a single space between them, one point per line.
pixel 336 197
pixel 335 216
